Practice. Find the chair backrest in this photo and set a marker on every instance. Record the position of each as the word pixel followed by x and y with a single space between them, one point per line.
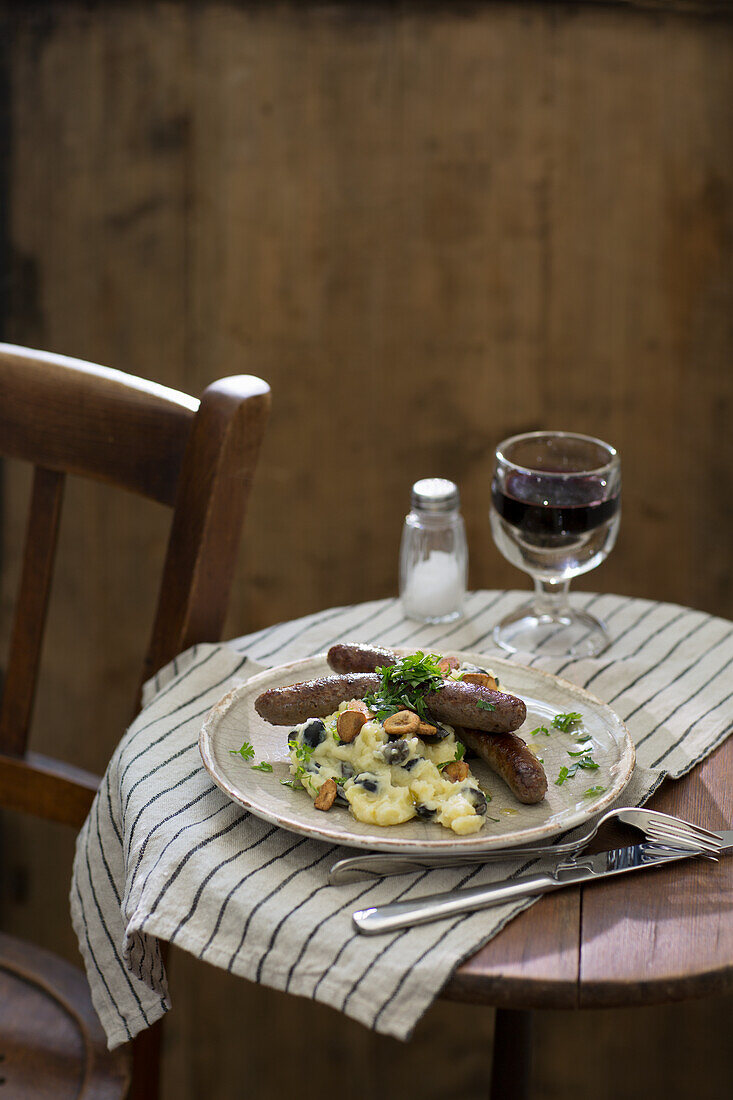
pixel 70 417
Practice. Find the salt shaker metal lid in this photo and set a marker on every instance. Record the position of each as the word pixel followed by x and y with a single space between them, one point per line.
pixel 435 495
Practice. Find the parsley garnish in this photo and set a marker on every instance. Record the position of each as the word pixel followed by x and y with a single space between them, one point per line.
pixel 303 752
pixel 565 721
pixel 539 729
pixel 484 706
pixel 405 684
pixel 586 762
pixel 263 767
pixel 293 786
pixel 246 751
pixel 460 751
pixel 592 791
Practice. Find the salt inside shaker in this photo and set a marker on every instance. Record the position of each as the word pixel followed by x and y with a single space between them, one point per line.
pixel 433 555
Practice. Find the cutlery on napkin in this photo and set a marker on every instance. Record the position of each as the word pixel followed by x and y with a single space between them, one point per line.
pixel 636 857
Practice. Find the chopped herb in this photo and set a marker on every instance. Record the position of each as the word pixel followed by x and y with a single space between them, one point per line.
pixel 293 786
pixel 592 791
pixel 263 767
pixel 303 752
pixel 539 729
pixel 492 818
pixel 587 763
pixel 579 752
pixel 485 706
pixel 541 759
pixel 246 751
pixel 460 752
pixel 565 721
pixel 405 684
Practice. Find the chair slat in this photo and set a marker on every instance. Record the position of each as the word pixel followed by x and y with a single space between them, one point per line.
pixel 49 788
pixel 30 610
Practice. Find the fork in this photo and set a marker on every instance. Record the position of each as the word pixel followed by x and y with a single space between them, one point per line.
pixel 661 828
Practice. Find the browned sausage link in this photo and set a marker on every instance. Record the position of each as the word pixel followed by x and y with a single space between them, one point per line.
pixel 508 756
pixel 359 658
pixel 457 704
pixel 286 706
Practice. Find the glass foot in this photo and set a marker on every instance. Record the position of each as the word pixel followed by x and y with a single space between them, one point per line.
pixel 565 633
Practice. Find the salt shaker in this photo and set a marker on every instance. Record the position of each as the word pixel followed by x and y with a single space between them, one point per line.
pixel 433 555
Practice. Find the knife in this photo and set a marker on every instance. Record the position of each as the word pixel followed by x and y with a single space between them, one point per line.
pixel 637 857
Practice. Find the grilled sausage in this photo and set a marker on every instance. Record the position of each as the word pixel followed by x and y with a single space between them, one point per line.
pixel 359 658
pixel 508 756
pixel 455 703
pixel 286 706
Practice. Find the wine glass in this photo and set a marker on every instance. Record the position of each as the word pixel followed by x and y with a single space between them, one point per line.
pixel 555 512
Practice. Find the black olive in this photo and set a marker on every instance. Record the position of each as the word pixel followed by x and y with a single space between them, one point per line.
pixel 341 797
pixel 347 770
pixel 367 782
pixel 314 733
pixel 396 752
pixel 410 764
pixel 478 798
pixel 425 812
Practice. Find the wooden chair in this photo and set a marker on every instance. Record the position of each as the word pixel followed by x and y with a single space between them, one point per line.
pixel 71 417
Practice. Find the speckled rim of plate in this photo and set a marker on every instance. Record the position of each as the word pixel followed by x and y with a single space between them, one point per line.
pixel 264 796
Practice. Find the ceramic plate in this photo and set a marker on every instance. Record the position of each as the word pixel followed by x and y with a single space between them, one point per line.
pixel 234 720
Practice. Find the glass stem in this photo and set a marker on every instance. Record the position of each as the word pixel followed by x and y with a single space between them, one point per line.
pixel 551 598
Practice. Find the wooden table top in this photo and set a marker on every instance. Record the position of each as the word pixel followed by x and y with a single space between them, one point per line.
pixel 634 940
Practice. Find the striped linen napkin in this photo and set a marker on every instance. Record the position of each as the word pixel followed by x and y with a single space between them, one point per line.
pixel 165 855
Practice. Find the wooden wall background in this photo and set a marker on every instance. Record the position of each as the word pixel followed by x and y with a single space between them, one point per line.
pixel 428 226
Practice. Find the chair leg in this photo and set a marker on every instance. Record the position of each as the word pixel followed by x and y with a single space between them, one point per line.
pixel 511 1069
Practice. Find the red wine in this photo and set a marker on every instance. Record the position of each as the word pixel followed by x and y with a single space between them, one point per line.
pixel 577 506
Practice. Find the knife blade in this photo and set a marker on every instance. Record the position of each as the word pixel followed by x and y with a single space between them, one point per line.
pixel 635 857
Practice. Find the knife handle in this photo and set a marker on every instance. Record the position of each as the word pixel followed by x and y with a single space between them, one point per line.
pixel 405 914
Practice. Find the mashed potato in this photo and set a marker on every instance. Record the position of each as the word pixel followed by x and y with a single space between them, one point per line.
pixel 387 780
